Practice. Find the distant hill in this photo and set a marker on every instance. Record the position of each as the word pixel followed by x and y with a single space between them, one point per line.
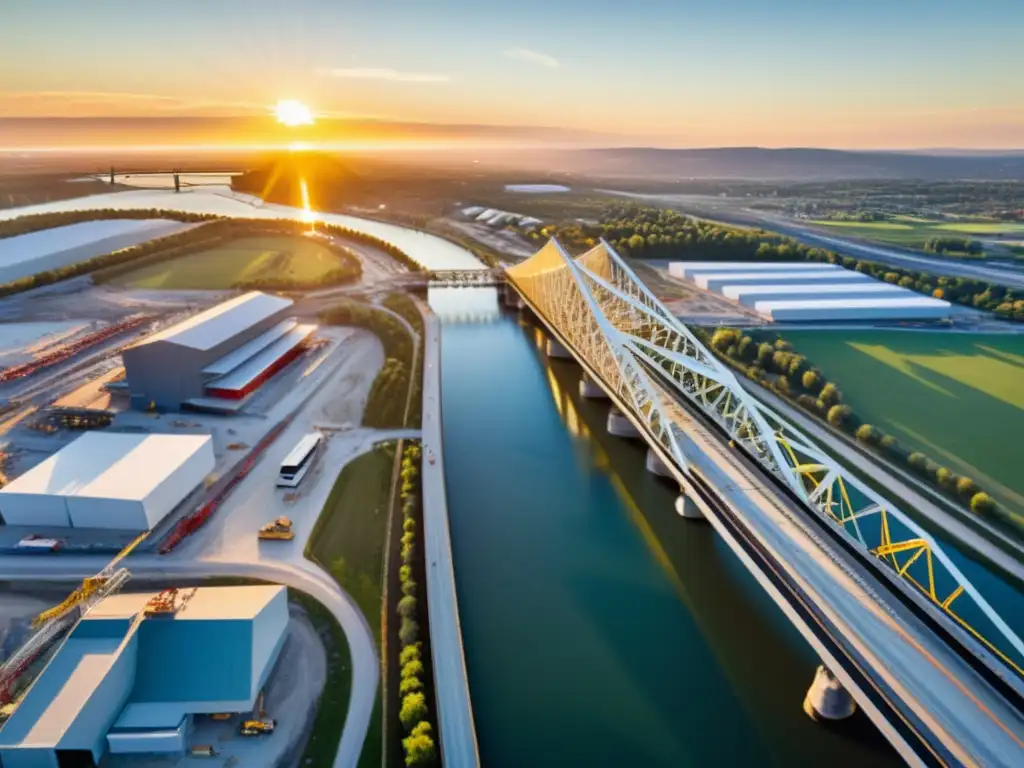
pixel 755 163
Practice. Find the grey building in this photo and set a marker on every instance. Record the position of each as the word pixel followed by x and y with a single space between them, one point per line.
pixel 169 367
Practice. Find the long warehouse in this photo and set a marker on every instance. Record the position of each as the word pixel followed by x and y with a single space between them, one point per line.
pixel 898 308
pixel 749 295
pixel 226 351
pixel 109 480
pixel 688 269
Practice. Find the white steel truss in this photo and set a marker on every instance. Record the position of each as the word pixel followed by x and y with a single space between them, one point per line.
pixel 610 318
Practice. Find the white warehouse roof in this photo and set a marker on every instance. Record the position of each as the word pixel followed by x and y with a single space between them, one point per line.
pixel 689 268
pixel 899 308
pixel 109 480
pixel 749 295
pixel 717 281
pixel 218 324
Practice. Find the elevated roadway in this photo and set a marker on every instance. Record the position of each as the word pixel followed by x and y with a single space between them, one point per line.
pixel 938 695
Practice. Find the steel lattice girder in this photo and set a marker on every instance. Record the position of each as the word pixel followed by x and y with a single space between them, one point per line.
pixel 619 327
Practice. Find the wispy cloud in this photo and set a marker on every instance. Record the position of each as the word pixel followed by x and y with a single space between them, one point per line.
pixel 533 57
pixel 382 73
pixel 102 103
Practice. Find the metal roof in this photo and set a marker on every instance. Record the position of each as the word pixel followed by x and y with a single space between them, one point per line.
pixel 687 268
pixel 884 303
pixel 803 289
pixel 301 449
pixel 234 359
pixel 252 368
pixel 218 324
pixel 207 603
pixel 35 245
pixel 719 280
pixel 109 465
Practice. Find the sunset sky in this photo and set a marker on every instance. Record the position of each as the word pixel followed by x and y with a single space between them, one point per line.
pixel 875 73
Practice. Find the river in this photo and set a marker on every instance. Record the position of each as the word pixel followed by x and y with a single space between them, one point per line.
pixel 600 628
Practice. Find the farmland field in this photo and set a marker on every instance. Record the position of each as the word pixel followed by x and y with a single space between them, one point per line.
pixel 251 258
pixel 911 232
pixel 957 397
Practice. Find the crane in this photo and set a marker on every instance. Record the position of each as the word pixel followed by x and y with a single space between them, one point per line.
pixel 103 583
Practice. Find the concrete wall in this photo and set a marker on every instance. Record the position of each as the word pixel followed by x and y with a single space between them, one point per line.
pixel 269 631
pixel 116 514
pixel 168 373
pixel 149 742
pixel 28 758
pixel 90 728
pixel 178 484
pixel 34 509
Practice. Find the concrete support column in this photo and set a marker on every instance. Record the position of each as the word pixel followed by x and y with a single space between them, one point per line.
pixel 827 699
pixel 590 388
pixel 655 465
pixel 557 349
pixel 686 507
pixel 619 425
pixel 513 299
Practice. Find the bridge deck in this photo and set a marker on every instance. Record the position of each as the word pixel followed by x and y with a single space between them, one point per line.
pixel 933 685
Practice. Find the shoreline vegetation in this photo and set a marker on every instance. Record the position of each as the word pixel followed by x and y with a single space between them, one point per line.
pixel 644 232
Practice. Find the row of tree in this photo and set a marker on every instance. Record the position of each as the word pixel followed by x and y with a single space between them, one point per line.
pixel 413 713
pixel 402 304
pixel 643 232
pixel 776 366
pixel 953 245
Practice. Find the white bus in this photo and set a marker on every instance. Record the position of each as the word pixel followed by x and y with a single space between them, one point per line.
pixel 297 463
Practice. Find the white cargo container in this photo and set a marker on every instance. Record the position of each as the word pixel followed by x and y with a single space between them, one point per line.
pixel 109 480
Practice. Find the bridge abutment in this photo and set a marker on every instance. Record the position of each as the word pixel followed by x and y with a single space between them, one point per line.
pixel 655 465
pixel 619 425
pixel 556 349
pixel 827 699
pixel 591 389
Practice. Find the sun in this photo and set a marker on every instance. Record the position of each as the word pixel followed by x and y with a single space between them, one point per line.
pixel 292 113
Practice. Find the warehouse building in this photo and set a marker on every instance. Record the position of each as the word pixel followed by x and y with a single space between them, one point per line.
pixel 911 307
pixel 227 351
pixel 749 295
pixel 716 282
pixel 109 480
pixel 687 269
pixel 138 668
pixel 810 292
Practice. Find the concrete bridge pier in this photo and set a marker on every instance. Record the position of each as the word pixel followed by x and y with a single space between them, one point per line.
pixel 687 508
pixel 619 425
pixel 655 465
pixel 513 299
pixel 556 349
pixel 827 699
pixel 591 389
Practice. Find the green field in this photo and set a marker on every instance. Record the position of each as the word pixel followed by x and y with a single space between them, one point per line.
pixel 911 232
pixel 957 397
pixel 221 267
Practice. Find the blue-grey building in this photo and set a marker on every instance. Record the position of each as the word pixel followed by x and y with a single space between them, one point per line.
pixel 131 683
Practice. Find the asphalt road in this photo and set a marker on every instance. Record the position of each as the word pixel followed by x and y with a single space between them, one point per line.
pixel 454 709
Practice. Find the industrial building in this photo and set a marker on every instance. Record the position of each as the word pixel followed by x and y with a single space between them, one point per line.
pixel 810 292
pixel 226 352
pixel 138 668
pixel 109 480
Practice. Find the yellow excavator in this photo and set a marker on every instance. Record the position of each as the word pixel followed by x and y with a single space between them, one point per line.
pixel 279 529
pixel 106 580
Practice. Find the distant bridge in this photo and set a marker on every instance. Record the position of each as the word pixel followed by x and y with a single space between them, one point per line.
pixel 899 627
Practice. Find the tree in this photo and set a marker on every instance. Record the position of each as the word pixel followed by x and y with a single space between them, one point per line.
pixel 945 478
pixel 406 607
pixel 966 488
pixel 409 685
pixel 409 632
pixel 409 586
pixel 414 709
pixel 811 381
pixel 837 415
pixel 413 668
pixel 409 653
pixel 982 504
pixel 764 354
pixel 830 394
pixel 419 747
pixel 866 433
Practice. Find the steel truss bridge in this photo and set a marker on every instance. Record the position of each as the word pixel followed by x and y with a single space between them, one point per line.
pixel 902 629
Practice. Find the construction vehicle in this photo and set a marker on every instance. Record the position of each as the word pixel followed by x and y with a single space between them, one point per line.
pixel 221 716
pixel 258 727
pixel 279 529
pixel 203 750
pixel 167 603
pixel 36 543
